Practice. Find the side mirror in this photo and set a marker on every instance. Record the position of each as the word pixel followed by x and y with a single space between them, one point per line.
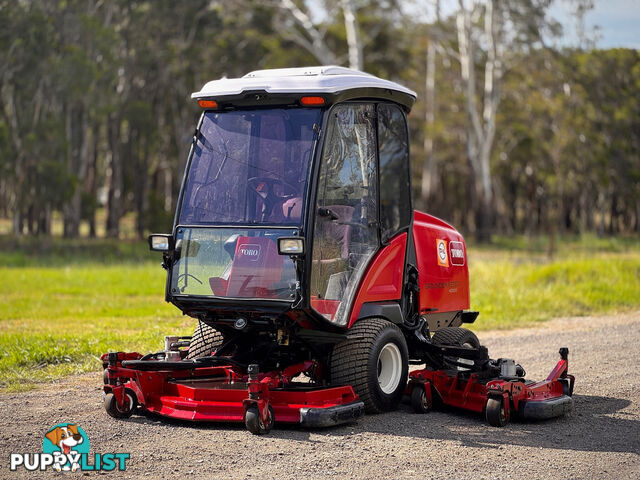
pixel 291 246
pixel 161 242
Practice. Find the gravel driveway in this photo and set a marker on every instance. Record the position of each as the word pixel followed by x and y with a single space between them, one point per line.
pixel 601 439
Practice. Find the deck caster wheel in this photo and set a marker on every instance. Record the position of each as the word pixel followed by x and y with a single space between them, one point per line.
pixel 495 413
pixel 566 389
pixel 419 400
pixel 254 423
pixel 114 410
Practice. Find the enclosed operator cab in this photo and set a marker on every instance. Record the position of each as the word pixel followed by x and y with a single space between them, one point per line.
pixel 295 220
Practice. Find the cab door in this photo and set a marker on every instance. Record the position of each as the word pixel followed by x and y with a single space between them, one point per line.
pixel 346 233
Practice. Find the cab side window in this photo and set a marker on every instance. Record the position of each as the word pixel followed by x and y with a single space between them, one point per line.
pixel 395 188
pixel 346 231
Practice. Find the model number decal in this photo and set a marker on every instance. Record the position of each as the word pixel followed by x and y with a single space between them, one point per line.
pixel 453 284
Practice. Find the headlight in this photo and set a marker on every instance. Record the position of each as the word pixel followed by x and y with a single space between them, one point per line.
pixel 291 246
pixel 160 242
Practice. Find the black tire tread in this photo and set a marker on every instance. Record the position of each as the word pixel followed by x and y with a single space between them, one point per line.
pixel 493 413
pixel 350 355
pixel 454 336
pixel 204 341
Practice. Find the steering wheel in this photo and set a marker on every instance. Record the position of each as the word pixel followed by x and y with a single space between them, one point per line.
pixel 263 187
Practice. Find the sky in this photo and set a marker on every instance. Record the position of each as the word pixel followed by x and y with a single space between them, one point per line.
pixel 618 22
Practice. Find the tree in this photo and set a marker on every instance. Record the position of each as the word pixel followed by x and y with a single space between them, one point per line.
pixel 526 22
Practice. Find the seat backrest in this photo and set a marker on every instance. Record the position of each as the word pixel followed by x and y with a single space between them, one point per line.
pixel 340 233
pixel 256 268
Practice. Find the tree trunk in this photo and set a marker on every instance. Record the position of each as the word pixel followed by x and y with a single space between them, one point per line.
pixel 115 178
pixel 313 42
pixel 92 182
pixel 429 166
pixel 142 186
pixel 77 126
pixel 10 113
pixel 353 36
pixel 480 133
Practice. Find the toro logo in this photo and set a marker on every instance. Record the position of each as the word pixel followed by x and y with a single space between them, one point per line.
pixel 441 252
pixel 456 252
pixel 249 250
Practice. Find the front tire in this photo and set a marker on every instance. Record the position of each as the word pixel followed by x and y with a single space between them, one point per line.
pixel 204 342
pixel 374 360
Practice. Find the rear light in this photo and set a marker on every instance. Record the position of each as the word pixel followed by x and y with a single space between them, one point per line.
pixel 312 101
pixel 208 103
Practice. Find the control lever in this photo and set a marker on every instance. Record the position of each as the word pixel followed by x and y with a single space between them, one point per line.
pixel 327 212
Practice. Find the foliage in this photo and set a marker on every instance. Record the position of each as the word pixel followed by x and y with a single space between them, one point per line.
pixel 95 108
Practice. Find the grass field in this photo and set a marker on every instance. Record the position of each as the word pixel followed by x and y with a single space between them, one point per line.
pixel 63 304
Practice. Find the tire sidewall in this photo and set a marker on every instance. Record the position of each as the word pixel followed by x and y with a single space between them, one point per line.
pixel 386 401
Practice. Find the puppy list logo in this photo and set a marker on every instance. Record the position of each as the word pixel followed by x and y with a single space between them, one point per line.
pixel 66 448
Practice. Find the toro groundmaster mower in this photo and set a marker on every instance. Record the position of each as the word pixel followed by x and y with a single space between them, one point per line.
pixel 314 282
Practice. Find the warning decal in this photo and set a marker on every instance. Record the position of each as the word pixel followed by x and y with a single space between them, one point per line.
pixel 441 250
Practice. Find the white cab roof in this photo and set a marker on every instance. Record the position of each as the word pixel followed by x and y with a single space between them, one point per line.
pixel 327 79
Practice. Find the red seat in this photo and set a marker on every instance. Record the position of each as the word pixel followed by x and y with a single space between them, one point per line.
pixel 255 271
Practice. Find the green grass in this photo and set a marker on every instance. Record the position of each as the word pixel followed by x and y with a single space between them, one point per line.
pixel 514 291
pixel 62 304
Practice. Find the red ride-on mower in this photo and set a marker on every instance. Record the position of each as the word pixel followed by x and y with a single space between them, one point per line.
pixel 314 282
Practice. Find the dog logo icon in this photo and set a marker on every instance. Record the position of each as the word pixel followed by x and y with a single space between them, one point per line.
pixel 66 442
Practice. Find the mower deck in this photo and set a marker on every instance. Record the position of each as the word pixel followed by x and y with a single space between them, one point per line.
pixel 185 390
pixel 501 398
pixel 222 394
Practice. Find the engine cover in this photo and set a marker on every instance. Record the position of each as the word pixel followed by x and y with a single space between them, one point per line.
pixel 442 265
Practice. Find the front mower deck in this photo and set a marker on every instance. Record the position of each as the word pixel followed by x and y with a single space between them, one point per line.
pixel 223 394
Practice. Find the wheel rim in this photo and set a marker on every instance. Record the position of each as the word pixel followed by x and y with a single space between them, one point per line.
pixel 389 368
pixel 126 409
pixel 424 400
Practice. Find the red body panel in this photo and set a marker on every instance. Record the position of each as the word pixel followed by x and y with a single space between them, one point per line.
pixel 442 265
pixel 383 280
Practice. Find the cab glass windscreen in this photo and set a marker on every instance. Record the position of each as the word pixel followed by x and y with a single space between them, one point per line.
pixel 233 263
pixel 250 167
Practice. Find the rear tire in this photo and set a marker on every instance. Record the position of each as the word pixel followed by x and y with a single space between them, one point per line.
pixel 204 342
pixel 458 337
pixel 374 360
